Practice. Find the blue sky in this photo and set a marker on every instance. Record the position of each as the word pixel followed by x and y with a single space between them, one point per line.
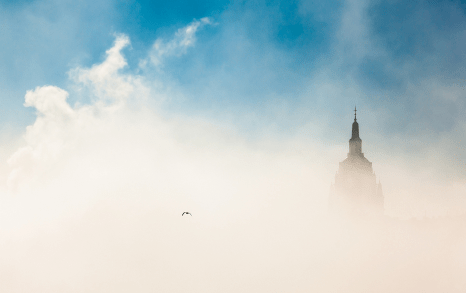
pixel 278 65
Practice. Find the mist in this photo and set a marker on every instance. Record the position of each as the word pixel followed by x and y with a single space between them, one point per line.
pixel 93 193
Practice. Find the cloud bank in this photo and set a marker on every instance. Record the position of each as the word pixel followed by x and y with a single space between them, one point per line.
pixel 94 197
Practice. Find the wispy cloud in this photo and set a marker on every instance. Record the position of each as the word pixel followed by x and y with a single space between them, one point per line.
pixel 182 40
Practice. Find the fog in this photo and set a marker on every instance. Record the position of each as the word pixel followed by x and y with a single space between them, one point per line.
pixel 92 197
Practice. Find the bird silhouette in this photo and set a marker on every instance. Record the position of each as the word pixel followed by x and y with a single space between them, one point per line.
pixel 186 213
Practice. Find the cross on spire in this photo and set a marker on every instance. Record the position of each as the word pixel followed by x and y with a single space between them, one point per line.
pixel 354 113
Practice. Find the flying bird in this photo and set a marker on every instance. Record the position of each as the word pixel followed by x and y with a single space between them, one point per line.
pixel 186 213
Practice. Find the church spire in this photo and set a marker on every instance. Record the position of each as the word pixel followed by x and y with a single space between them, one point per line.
pixel 355 132
pixel 355 141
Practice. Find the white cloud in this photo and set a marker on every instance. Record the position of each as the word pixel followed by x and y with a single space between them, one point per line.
pixel 45 136
pixel 105 81
pixel 59 126
pixel 183 39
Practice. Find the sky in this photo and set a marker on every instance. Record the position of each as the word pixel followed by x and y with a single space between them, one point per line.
pixel 259 63
pixel 117 116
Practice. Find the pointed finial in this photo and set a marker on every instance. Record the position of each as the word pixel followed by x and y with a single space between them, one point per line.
pixel 354 113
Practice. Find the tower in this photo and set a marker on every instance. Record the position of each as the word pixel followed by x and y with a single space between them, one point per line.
pixel 355 188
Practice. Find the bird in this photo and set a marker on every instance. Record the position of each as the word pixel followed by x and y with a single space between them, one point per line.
pixel 186 213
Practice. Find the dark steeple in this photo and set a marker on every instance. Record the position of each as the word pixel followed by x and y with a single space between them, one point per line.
pixel 355 134
pixel 355 142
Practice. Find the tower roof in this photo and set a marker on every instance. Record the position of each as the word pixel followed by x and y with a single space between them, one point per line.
pixel 355 131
